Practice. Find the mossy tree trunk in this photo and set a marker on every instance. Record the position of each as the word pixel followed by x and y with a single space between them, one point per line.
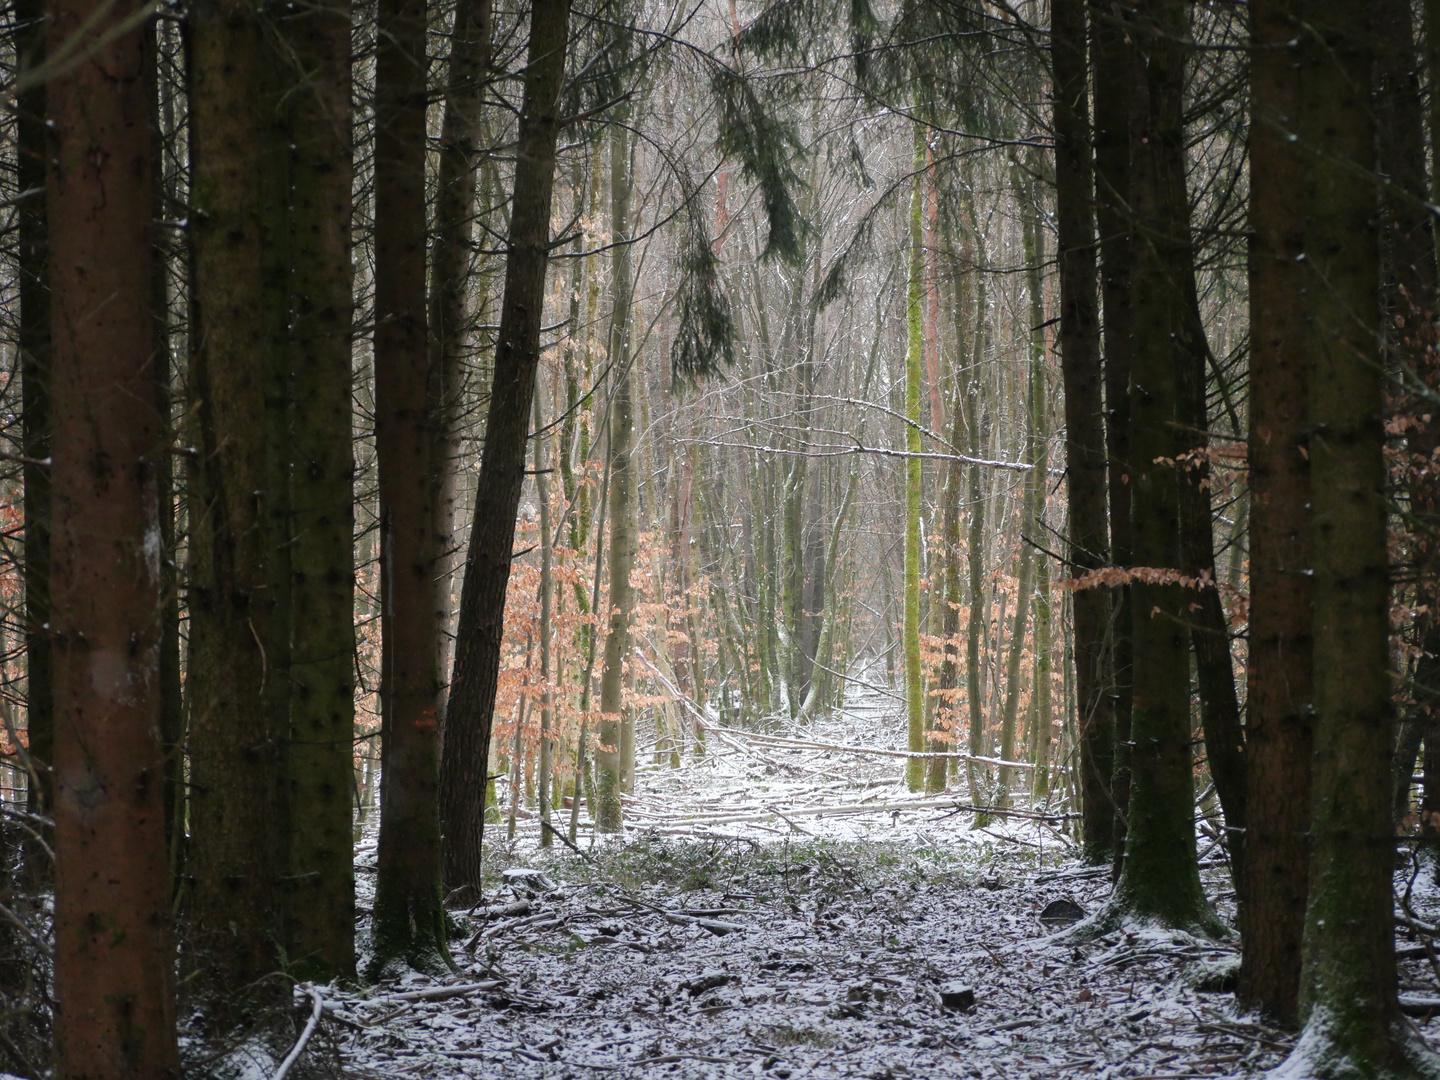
pixel 1160 879
pixel 610 757
pixel 1348 1003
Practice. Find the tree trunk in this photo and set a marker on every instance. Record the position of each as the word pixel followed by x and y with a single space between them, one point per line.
pixel 1209 632
pixel 320 901
pixel 1034 480
pixel 975 555
pixel 1160 879
pixel 452 265
pixel 610 758
pixel 542 491
pixel 914 297
pixel 114 957
pixel 1348 979
pixel 502 472
pixel 1279 737
pixel 582 773
pixel 408 922
pixel 1084 424
pixel 237 311
pixel 1039 485
pixel 1115 75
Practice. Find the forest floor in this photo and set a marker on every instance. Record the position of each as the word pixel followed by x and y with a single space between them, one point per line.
pixel 778 911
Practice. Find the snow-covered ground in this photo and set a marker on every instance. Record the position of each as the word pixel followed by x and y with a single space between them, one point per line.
pixel 781 911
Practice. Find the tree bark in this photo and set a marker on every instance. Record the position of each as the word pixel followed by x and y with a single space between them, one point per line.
pixel 114 957
pixel 1084 423
pixel 975 554
pixel 409 922
pixel 1209 632
pixel 1348 979
pixel 1279 736
pixel 502 471
pixel 237 311
pixel 543 764
pixel 450 283
pixel 1115 63
pixel 610 757
pixel 1160 878
pixel 320 901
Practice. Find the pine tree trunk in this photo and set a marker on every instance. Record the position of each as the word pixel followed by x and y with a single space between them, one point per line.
pixel 1279 736
pixel 1115 75
pixel 408 921
pixel 321 899
pixel 1160 878
pixel 1084 423
pixel 1209 631
pixel 237 311
pixel 1348 978
pixel 114 956
pixel 502 471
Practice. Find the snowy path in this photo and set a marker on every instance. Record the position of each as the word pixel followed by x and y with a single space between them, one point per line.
pixel 761 919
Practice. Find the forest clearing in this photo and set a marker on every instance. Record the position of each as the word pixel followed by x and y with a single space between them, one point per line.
pixel 739 537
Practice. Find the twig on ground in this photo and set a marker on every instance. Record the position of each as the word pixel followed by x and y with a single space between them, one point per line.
pixel 300 1043
pixel 566 841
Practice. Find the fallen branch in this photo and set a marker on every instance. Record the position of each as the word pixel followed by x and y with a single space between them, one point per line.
pixel 441 993
pixel 715 926
pixel 300 1043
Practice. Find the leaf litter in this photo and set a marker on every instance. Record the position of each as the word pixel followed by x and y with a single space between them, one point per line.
pixel 791 911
